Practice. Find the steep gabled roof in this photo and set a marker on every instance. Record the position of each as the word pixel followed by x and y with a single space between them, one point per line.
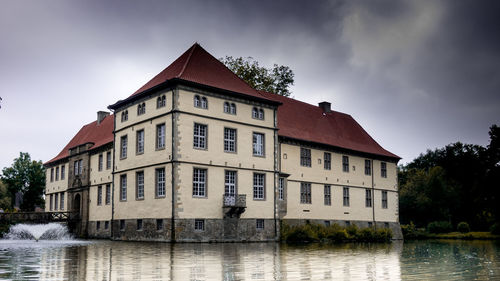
pixel 303 121
pixel 98 134
pixel 198 66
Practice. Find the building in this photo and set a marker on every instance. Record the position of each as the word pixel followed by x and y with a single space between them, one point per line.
pixel 196 154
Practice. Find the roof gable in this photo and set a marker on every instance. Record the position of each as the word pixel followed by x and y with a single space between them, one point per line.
pixel 198 66
pixel 303 121
pixel 98 134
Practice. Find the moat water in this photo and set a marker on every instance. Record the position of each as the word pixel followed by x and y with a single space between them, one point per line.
pixel 109 260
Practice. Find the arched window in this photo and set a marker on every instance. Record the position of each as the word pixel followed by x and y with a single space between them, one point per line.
pixel 204 102
pixel 124 115
pixel 197 102
pixel 161 101
pixel 255 113
pixel 261 114
pixel 233 108
pixel 226 107
pixel 141 108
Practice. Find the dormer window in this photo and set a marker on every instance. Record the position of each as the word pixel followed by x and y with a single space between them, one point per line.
pixel 200 102
pixel 141 108
pixel 258 113
pixel 161 101
pixel 124 115
pixel 229 108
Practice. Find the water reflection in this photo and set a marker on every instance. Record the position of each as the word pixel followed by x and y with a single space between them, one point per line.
pixel 106 260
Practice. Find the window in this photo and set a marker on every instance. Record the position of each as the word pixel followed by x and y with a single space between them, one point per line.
pixel 139 181
pixel 327 160
pixel 56 201
pixel 370 224
pixel 122 224
pixel 229 140
pixel 345 163
pixel 305 193
pixel 100 162
pixel 305 157
pixel 51 198
pixel 160 136
pixel 62 201
pixel 230 184
pixel 99 195
pixel 199 182
pixel 106 225
pixel 108 194
pixel 346 196
pixel 327 223
pixel 261 114
pixel 226 107
pixel 123 147
pixel 57 173
pixel 51 174
pixel 368 167
pixel 383 169
pixel 160 182
pixel 75 168
pixel 200 102
pixel 200 136
pixel 255 113
pixel 80 166
pixel 123 187
pixel 232 109
pixel 161 101
pixel 63 172
pixel 139 224
pixel 384 199
pixel 140 142
pixel 258 144
pixel 258 186
pixel 259 224
pixel 159 224
pixel 281 188
pixel 368 198
pixel 108 160
pixel 98 225
pixel 199 225
pixel 124 115
pixel 328 195
pixel 141 108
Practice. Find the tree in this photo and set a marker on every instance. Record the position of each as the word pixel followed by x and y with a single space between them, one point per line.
pixel 5 201
pixel 28 177
pixel 276 80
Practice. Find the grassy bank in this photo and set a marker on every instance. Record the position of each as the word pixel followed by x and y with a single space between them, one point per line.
pixel 410 232
pixel 309 233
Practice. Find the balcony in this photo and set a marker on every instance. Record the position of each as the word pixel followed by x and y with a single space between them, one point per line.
pixel 234 206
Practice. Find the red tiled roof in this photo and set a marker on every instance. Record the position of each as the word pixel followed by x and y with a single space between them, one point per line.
pixel 91 133
pixel 303 121
pixel 198 66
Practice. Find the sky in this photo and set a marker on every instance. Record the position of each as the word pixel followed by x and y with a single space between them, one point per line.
pixel 416 75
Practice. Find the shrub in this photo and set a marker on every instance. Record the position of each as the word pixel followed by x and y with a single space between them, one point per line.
pixel 495 228
pixel 383 235
pixel 352 231
pixel 439 227
pixel 463 227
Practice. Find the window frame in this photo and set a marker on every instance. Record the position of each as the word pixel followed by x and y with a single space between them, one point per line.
pixel 385 199
pixel 107 199
pixel 161 138
pixel 345 163
pixel 100 162
pixel 139 186
pixel 383 169
pixel 140 141
pixel 123 187
pixel 197 138
pixel 199 225
pixel 161 101
pixel 61 201
pixel 327 195
pixel 108 160
pixel 327 160
pixel 256 145
pixel 57 173
pixel 230 181
pixel 260 224
pixel 228 141
pixel 345 197
pixel 368 167
pixel 200 189
pixel 63 171
pixel 158 182
pixel 305 193
pixel 281 188
pixel 124 117
pixel 123 146
pixel 259 187
pixel 99 195
pixel 368 198
pixel 305 157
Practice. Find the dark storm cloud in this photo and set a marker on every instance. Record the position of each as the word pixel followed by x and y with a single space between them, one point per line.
pixel 415 74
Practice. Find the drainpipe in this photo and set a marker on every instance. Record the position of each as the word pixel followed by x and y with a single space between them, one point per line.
pixel 113 178
pixel 373 194
pixel 174 159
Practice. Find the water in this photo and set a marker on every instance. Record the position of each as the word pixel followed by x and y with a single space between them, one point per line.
pixel 110 260
pixel 49 231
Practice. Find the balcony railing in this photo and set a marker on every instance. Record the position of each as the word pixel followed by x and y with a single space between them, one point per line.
pixel 234 205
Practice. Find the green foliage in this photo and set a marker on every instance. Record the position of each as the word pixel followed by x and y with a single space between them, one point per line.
pixel 28 177
pixel 5 200
pixel 412 232
pixel 463 227
pixel 455 183
pixel 333 233
pixel 439 227
pixel 275 80
pixel 495 229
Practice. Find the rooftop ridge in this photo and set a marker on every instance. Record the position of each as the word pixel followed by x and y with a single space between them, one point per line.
pixel 187 60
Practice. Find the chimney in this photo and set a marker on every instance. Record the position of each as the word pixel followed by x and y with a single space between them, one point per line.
pixel 101 115
pixel 326 106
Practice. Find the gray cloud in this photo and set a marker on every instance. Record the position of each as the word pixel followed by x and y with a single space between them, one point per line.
pixel 415 74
